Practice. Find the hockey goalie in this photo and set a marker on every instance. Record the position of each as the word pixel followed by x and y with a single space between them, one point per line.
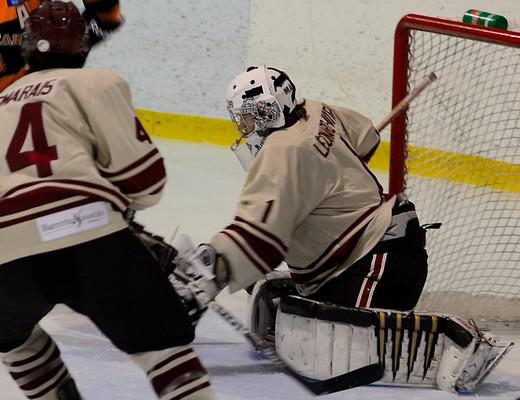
pixel 356 257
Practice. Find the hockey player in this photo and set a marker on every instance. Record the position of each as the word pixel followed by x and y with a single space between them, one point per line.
pixel 310 199
pixel 75 157
pixel 103 17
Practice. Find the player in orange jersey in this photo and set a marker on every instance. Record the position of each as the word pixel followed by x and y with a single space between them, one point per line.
pixel 103 16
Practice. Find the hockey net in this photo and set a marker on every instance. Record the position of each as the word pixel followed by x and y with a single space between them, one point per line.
pixel 456 153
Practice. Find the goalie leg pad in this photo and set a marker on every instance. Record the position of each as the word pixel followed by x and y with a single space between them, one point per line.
pixel 322 341
pixel 263 303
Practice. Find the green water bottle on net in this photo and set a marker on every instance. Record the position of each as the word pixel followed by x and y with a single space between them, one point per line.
pixel 478 17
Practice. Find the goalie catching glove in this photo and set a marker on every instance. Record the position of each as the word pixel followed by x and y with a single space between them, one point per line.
pixel 199 276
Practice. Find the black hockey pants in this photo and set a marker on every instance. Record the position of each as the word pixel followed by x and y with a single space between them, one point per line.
pixel 112 280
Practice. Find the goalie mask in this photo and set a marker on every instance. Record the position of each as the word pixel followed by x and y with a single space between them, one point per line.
pixel 259 101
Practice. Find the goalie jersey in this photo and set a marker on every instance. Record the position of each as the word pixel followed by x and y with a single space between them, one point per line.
pixel 309 199
pixel 74 156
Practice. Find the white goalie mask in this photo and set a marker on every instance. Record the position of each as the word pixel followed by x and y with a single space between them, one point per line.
pixel 258 100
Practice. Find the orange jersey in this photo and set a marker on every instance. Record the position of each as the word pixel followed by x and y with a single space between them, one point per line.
pixel 12 21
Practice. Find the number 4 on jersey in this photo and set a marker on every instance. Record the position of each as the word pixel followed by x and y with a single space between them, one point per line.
pixel 43 154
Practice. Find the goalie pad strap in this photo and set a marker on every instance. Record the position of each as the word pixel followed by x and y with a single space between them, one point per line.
pixel 367 317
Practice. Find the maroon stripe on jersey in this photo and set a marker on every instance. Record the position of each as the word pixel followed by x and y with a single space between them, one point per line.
pixel 142 180
pixel 259 266
pixel 335 242
pixel 46 212
pixel 45 195
pixel 178 376
pixel 365 166
pixel 71 182
pixel 337 258
pixel 371 280
pixel 58 382
pixel 266 251
pixel 266 233
pixel 33 199
pixel 130 167
pixel 28 360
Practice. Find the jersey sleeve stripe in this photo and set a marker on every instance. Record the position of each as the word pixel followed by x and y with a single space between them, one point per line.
pixel 262 268
pixel 269 254
pixel 261 234
pixel 143 180
pixel 264 232
pixel 106 173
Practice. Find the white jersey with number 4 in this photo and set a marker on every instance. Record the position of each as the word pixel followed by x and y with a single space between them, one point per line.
pixel 309 199
pixel 73 155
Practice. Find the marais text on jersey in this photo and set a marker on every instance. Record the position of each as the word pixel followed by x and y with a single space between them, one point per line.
pixel 28 92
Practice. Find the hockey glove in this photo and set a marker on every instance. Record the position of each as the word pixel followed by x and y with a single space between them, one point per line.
pixel 103 17
pixel 204 268
pixel 200 274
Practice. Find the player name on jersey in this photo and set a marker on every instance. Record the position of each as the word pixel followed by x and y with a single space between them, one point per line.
pixel 326 133
pixel 27 92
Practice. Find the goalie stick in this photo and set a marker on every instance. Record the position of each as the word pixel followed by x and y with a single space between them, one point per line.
pixel 404 103
pixel 359 377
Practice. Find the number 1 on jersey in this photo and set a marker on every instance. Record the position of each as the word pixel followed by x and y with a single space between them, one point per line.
pixel 267 210
pixel 42 155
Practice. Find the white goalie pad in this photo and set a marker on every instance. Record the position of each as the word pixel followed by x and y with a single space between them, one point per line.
pixel 322 341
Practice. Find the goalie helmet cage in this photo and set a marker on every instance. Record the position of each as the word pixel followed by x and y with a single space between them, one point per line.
pixel 456 153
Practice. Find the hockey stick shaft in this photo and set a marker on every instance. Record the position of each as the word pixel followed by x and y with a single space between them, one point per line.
pixel 256 342
pixel 404 103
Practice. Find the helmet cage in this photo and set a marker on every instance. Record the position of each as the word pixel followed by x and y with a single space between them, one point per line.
pixel 256 115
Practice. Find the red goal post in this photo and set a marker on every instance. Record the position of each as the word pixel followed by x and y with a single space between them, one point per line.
pixel 456 152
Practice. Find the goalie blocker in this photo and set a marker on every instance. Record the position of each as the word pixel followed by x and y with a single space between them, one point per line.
pixel 411 349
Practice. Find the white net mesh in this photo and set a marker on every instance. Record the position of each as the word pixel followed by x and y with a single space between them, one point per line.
pixel 463 167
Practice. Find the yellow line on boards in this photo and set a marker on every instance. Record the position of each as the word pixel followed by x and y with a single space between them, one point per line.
pixel 436 164
pixel 190 128
pixel 464 169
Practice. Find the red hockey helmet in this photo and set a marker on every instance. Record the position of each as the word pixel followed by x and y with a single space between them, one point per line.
pixel 55 36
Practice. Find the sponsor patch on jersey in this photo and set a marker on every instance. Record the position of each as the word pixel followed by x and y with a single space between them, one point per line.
pixel 14 3
pixel 72 221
